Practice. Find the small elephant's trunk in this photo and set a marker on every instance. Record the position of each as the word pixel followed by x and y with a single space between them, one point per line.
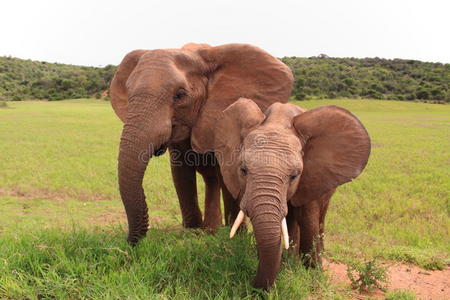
pixel 267 221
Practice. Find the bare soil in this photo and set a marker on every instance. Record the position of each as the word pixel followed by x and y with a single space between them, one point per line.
pixel 424 283
pixel 58 195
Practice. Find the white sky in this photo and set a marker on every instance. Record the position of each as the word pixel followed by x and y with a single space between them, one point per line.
pixel 102 32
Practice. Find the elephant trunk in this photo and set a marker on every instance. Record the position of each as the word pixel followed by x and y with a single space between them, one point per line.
pixel 266 217
pixel 143 135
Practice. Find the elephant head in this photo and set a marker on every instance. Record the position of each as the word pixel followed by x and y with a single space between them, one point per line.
pixel 268 158
pixel 167 96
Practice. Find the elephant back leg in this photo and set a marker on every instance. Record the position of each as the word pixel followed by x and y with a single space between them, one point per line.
pixel 325 200
pixel 293 228
pixel 213 213
pixel 309 233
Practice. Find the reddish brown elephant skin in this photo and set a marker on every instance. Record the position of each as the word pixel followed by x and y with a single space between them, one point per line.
pixel 290 162
pixel 172 98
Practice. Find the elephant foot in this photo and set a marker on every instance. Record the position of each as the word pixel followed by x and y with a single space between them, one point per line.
pixel 133 239
pixel 210 229
pixel 210 224
pixel 311 260
pixel 193 225
pixel 193 222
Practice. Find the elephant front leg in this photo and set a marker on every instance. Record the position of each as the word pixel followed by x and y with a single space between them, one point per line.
pixel 184 178
pixel 213 214
pixel 310 245
pixel 230 206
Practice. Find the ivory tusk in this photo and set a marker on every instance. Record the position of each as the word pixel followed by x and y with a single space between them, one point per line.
pixel 239 219
pixel 284 232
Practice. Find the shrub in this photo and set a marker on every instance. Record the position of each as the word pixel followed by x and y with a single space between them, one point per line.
pixel 423 94
pixel 17 98
pixel 300 95
pixel 367 276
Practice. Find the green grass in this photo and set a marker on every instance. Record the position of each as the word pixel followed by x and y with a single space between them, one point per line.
pixel 86 263
pixel 400 295
pixel 62 225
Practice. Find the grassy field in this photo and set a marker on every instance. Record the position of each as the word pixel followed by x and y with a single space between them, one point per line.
pixel 62 225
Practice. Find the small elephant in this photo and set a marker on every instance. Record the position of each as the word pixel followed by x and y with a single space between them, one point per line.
pixel 283 166
pixel 171 98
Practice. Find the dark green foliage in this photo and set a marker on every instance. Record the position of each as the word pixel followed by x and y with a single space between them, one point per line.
pixel 315 78
pixel 367 276
pixel 26 79
pixel 376 78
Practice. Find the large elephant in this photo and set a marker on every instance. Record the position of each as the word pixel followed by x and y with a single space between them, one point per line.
pixel 285 164
pixel 172 98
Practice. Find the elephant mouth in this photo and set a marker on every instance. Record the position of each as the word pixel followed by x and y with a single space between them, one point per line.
pixel 161 150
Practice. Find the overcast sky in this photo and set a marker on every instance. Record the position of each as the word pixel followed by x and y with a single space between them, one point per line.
pixel 102 32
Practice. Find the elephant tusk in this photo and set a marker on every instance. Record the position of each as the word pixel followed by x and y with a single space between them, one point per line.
pixel 239 219
pixel 284 231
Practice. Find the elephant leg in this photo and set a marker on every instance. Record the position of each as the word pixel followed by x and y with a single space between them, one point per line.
pixel 213 214
pixel 309 233
pixel 293 228
pixel 184 178
pixel 325 200
pixel 230 205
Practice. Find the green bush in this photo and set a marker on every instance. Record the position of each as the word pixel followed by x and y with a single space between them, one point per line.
pixel 398 79
pixel 25 79
pixel 367 276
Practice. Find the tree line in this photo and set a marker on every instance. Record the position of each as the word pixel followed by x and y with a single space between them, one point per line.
pixel 315 78
pixel 26 79
pixel 375 78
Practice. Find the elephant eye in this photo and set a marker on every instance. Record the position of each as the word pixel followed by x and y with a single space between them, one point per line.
pixel 244 171
pixel 293 177
pixel 179 95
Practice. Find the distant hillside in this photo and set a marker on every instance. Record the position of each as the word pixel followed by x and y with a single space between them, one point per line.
pixel 26 79
pixel 315 78
pixel 397 79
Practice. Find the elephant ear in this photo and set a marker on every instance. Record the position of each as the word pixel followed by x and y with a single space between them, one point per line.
pixel 336 149
pixel 233 124
pixel 118 88
pixel 235 71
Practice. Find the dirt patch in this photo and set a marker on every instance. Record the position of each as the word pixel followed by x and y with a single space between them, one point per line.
pixel 112 217
pixel 425 284
pixel 46 194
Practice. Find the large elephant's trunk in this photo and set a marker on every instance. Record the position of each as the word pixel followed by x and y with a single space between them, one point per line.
pixel 266 215
pixel 143 134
